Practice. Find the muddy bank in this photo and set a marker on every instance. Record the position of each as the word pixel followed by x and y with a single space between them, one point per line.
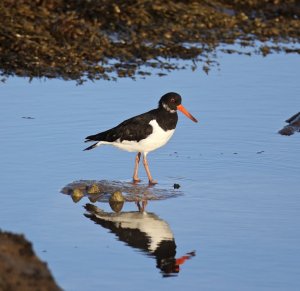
pixel 80 40
pixel 20 268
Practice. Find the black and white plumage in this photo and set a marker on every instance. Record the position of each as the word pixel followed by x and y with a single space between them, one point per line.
pixel 144 133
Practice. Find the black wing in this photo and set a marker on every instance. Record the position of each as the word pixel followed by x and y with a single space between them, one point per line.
pixel 135 128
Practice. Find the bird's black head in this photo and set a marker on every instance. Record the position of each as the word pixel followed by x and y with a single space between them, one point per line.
pixel 170 101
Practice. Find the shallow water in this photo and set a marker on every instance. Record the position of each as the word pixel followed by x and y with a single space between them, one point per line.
pixel 239 208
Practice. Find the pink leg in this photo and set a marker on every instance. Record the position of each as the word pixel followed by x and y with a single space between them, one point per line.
pixel 145 162
pixel 136 168
pixel 143 207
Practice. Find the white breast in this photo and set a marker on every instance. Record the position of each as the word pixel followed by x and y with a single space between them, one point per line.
pixel 155 140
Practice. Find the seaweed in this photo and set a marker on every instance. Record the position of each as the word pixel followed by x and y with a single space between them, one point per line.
pixel 100 39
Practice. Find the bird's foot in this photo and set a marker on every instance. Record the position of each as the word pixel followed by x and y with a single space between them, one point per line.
pixel 136 180
pixel 152 182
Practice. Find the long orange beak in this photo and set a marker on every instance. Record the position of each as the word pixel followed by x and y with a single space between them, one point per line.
pixel 186 113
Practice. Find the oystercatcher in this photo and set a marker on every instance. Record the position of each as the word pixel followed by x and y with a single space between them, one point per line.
pixel 144 133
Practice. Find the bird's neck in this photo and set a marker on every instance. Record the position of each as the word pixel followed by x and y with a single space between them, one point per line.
pixel 166 120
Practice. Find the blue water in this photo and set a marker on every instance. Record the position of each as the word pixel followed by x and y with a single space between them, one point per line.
pixel 240 206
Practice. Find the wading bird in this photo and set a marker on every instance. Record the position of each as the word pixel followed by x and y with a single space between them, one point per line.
pixel 145 132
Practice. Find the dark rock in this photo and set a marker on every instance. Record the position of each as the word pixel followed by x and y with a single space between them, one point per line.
pixel 293 125
pixel 20 268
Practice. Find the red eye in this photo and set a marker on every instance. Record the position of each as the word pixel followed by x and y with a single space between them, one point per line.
pixel 172 100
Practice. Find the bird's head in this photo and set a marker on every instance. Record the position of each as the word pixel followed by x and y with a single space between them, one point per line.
pixel 171 102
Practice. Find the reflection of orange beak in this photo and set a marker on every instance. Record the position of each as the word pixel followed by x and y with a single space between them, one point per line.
pixel 186 113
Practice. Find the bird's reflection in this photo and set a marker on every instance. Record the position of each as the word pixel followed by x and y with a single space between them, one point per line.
pixel 144 231
pixel 138 229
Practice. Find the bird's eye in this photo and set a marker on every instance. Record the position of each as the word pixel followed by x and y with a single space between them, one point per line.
pixel 173 100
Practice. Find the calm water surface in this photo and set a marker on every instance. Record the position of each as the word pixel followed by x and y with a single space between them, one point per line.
pixel 237 219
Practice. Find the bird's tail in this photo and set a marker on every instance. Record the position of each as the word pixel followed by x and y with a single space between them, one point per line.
pixel 91 147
